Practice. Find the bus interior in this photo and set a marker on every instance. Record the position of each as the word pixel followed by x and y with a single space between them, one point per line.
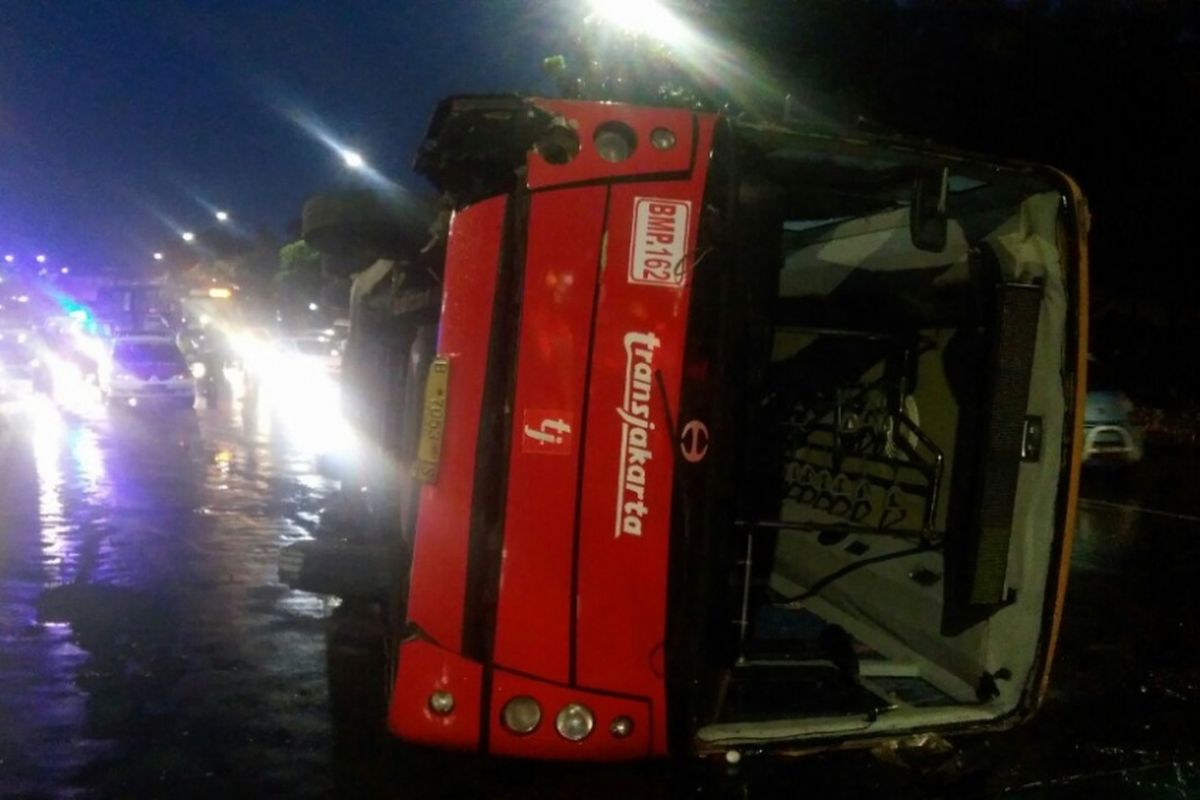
pixel 902 433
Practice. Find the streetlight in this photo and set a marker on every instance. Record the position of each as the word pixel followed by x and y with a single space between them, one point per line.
pixel 65 270
pixel 40 258
pixel 352 159
pixel 222 216
pixel 158 256
pixel 9 257
pixel 188 236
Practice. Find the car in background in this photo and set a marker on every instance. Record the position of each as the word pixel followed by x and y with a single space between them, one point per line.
pixel 317 350
pixel 1109 435
pixel 147 370
pixel 20 368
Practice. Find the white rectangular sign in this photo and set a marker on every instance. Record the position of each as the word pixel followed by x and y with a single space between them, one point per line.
pixel 659 248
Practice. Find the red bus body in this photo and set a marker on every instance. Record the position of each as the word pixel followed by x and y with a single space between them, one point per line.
pixel 547 536
pixel 581 612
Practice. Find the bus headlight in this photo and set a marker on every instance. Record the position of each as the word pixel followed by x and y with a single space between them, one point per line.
pixel 575 722
pixel 521 715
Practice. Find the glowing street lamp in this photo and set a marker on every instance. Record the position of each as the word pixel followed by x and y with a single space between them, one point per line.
pixel 644 17
pixel 352 159
pixel 9 257
pixel 188 236
pixel 222 216
pixel 158 256
pixel 65 270
pixel 40 258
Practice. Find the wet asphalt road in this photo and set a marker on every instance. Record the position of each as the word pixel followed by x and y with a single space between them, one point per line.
pixel 148 650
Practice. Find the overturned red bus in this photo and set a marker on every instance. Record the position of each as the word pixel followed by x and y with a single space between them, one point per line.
pixel 734 437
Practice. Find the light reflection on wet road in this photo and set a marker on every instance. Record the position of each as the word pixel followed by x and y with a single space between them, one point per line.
pixel 147 648
pixel 145 642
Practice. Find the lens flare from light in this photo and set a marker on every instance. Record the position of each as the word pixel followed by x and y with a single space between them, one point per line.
pixel 713 63
pixel 645 17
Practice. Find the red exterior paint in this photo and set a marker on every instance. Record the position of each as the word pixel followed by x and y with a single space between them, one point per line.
pixel 437 588
pixel 623 575
pixel 586 117
pixel 425 668
pixel 563 254
pixel 619 605
pixel 544 741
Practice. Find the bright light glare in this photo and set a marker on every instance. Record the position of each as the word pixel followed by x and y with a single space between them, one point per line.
pixel 158 256
pixel 40 258
pixel 23 298
pixel 645 17
pixel 9 257
pixel 352 159
pixel 188 236
pixel 222 216
pixel 220 293
pixel 736 70
pixel 313 307
pixel 205 319
pixel 65 270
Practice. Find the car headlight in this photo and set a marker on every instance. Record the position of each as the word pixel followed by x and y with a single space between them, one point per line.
pixel 521 715
pixel 575 722
pixel 198 370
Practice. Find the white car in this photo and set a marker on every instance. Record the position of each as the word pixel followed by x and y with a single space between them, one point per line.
pixel 147 370
pixel 318 350
pixel 1109 435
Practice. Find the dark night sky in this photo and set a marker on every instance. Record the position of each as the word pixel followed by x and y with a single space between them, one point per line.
pixel 121 119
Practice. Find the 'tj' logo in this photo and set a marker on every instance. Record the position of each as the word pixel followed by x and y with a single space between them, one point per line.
pixel 551 431
pixel 547 432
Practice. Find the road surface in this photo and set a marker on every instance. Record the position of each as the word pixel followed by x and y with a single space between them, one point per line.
pixel 147 648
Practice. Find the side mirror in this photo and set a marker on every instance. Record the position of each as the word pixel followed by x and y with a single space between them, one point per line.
pixel 927 222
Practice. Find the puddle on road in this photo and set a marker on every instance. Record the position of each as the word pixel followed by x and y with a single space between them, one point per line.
pixel 146 646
